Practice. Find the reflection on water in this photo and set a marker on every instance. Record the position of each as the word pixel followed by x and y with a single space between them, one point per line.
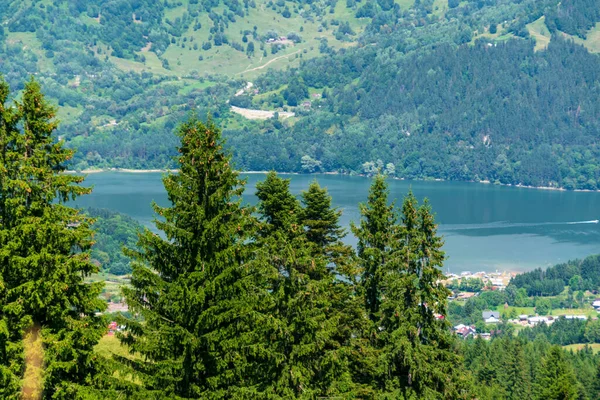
pixel 485 227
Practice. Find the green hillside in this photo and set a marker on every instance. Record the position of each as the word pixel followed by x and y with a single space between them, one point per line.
pixel 347 80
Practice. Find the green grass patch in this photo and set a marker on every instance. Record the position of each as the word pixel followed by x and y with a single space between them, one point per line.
pixel 592 40
pixel 579 346
pixel 539 31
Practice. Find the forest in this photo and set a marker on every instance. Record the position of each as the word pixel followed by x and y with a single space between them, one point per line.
pixel 232 301
pixel 433 89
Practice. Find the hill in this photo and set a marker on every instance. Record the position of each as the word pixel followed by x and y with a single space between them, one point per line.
pixel 492 90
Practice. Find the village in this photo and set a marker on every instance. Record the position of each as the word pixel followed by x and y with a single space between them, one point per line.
pixel 469 285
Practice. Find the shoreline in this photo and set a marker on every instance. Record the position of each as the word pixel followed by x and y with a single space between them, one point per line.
pixel 484 182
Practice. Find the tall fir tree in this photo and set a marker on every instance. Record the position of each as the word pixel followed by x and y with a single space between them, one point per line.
pixel 44 257
pixel 307 339
pixel 512 372
pixel 376 234
pixel 406 300
pixel 557 380
pixel 199 296
pixel 320 220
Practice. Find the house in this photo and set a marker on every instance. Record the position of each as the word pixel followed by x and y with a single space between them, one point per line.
pixel 465 295
pixel 580 317
pixel 112 328
pixel 539 320
pixel 523 317
pixel 596 303
pixel 491 317
pixel 465 331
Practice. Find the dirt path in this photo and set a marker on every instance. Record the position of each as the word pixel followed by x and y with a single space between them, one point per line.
pixel 269 62
pixel 33 381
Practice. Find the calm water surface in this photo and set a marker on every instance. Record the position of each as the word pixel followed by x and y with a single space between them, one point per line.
pixel 485 227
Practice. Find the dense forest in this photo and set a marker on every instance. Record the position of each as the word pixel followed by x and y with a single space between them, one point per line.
pixel 232 301
pixel 113 231
pixel 448 90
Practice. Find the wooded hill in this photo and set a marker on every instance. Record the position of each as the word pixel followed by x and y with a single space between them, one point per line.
pixel 477 90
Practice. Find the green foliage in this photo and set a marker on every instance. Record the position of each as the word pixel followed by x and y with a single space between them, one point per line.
pixel 113 231
pixel 44 256
pixel 578 274
pixel 574 16
pixel 405 299
pixel 200 299
pixel 557 379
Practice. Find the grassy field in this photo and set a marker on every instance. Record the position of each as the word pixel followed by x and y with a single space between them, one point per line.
pixel 112 285
pixel 540 33
pixel 184 59
pixel 592 41
pixel 576 347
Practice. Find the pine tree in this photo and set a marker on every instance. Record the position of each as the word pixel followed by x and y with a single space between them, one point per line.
pixel 320 220
pixel 200 297
pixel 44 255
pixel 307 340
pixel 376 234
pixel 557 380
pixel 406 300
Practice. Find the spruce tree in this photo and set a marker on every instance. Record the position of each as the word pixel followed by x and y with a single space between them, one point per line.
pixel 199 296
pixel 557 380
pixel 44 256
pixel 278 207
pixel 320 220
pixel 376 234
pixel 406 300
pixel 305 340
pixel 512 374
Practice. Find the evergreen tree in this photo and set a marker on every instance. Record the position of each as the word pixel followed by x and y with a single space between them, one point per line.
pixel 418 354
pixel 200 298
pixel 321 221
pixel 406 300
pixel 279 209
pixel 44 257
pixel 557 380
pixel 376 233
pixel 512 374
pixel 308 337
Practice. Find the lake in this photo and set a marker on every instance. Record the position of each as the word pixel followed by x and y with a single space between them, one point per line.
pixel 485 227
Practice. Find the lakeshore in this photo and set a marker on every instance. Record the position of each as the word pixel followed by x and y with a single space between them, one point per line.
pixel 334 173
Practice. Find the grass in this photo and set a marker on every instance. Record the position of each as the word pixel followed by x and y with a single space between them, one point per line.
pixel 226 60
pixel 112 284
pixel 579 346
pixel 518 310
pixel 592 41
pixel 109 346
pixel 67 114
pixel 29 41
pixel 539 31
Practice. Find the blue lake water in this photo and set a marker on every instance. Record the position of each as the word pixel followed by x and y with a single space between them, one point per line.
pixel 485 227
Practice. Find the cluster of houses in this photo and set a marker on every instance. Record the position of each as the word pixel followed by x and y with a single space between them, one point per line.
pixel 465 331
pixel 494 280
pixel 493 317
